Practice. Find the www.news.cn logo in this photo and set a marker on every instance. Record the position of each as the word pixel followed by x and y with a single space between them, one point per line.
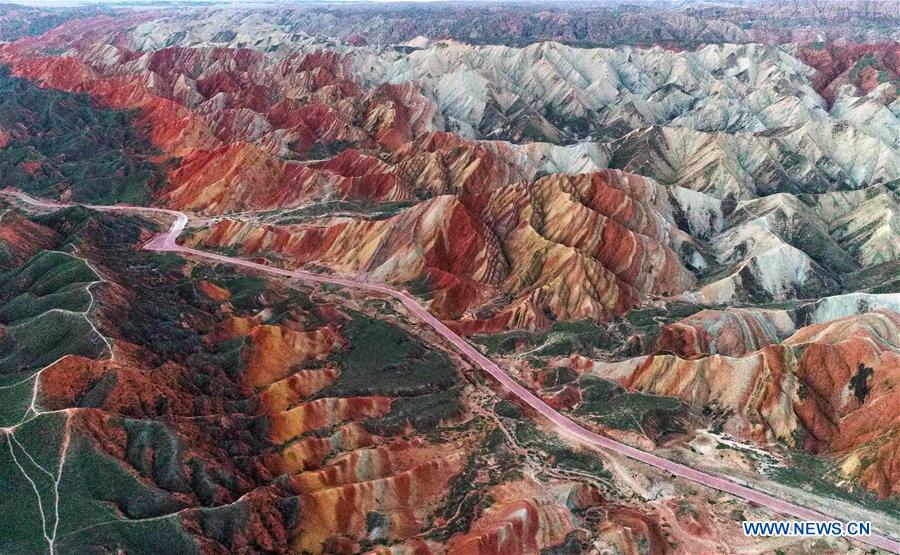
pixel 806 528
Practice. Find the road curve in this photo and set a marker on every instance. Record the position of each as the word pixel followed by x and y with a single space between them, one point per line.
pixel 166 242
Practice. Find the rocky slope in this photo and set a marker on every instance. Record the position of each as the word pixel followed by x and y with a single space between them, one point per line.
pixel 243 123
pixel 826 386
pixel 19 21
pixel 861 67
pixel 265 421
pixel 752 103
pixel 663 238
pixel 521 240
pixel 675 24
pixel 270 418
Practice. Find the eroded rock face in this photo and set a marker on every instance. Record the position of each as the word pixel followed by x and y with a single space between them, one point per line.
pixel 273 461
pixel 754 205
pixel 862 66
pixel 201 99
pixel 570 94
pixel 248 417
pixel 826 387
pixel 616 200
pixel 731 333
pixel 586 246
pixel 517 525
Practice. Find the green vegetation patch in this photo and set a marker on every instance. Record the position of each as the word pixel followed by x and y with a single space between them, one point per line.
pixel 859 382
pixel 79 225
pixel 253 293
pixel 574 544
pixel 43 306
pixel 109 503
pixel 491 464
pixel 15 398
pixel 882 278
pixel 47 272
pixel 652 317
pixel 507 409
pixel 98 501
pixel 65 142
pixel 611 405
pixel 586 337
pixel 326 149
pixel 384 360
pixel 49 280
pixel 562 339
pixel 73 298
pixel 39 341
pixel 360 208
pixel 561 455
pixel 245 290
pixel 423 412
pixel 815 474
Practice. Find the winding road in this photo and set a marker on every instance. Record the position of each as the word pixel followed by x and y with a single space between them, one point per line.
pixel 166 242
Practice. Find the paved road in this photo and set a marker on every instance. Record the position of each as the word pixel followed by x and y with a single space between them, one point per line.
pixel 165 242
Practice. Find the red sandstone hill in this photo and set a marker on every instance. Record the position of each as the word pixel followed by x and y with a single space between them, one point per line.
pixel 243 415
pixel 493 239
pixel 865 66
pixel 826 387
pixel 200 98
pixel 586 246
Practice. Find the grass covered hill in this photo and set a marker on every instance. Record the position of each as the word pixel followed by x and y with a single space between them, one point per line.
pixel 60 144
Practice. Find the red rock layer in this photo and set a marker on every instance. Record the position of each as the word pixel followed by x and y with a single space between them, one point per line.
pixel 273 352
pixel 832 384
pixel 732 332
pixel 22 237
pixel 865 66
pixel 585 246
pixel 341 478
pixel 849 405
pixel 525 519
pixel 209 105
pixel 564 247
pixel 402 481
pixel 520 526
